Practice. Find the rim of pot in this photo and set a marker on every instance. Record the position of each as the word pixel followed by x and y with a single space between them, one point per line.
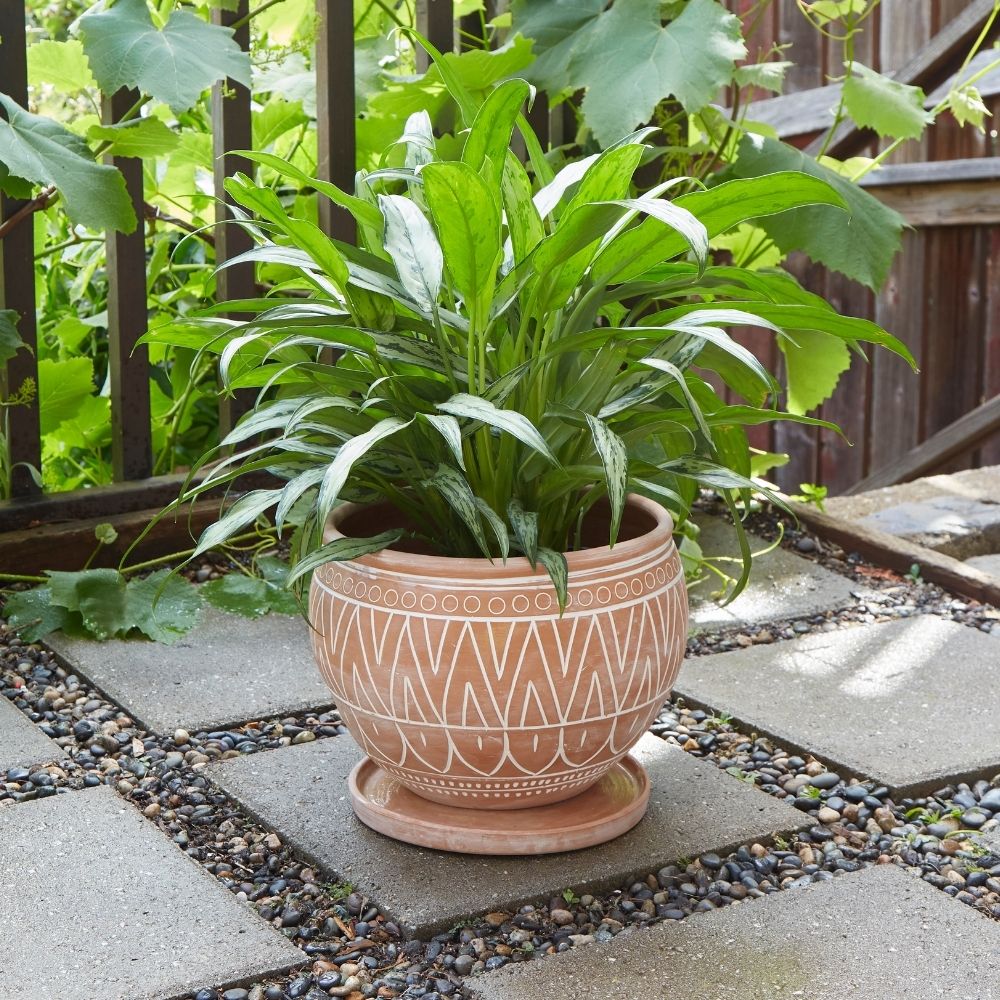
pixel 416 564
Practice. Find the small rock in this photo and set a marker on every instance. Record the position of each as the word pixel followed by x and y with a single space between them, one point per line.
pixel 825 780
pixel 561 917
pixel 828 815
pixel 306 736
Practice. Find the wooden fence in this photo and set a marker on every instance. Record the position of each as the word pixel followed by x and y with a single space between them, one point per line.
pixel 943 297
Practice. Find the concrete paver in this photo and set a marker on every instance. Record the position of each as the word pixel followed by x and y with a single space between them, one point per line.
pixel 97 904
pixel 913 703
pixel 227 670
pixel 22 743
pixel 877 933
pixel 301 792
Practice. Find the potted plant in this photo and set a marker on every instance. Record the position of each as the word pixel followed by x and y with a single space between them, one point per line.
pixel 491 415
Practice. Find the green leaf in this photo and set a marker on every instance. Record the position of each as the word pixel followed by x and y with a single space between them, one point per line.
pixel 467 220
pixel 245 511
pixel 410 241
pixel 967 106
pixel 766 75
pixel 890 108
pixel 241 595
pixel 458 494
pixel 10 339
pixel 489 137
pixel 861 246
pixel 341 550
pixel 61 64
pixel 163 605
pixel 614 458
pixel 689 59
pixel 33 615
pixel 276 118
pixel 40 150
pixel 448 427
pixel 813 366
pixel 140 137
pixel 525 525
pixel 99 596
pixel 718 209
pixel 63 387
pixel 105 533
pixel 173 65
pixel 558 569
pixel 514 423
pixel 349 453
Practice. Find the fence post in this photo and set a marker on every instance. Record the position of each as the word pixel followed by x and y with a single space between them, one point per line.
pixel 232 129
pixel 128 365
pixel 436 22
pixel 335 135
pixel 17 278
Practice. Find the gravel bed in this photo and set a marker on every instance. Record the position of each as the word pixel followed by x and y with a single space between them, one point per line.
pixel 357 953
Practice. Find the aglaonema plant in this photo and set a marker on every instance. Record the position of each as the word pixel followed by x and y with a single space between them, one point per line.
pixel 503 348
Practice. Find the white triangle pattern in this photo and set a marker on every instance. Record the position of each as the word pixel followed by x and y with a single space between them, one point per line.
pixel 502 707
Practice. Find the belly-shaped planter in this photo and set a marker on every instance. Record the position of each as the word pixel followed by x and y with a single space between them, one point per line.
pixel 472 696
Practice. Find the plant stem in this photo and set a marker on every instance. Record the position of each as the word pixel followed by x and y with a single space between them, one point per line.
pixel 236 25
pixel 21 578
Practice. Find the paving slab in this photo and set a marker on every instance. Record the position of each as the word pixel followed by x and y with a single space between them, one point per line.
pixel 97 904
pixel 957 513
pixel 913 703
pixel 880 933
pixel 988 564
pixel 782 584
pixel 22 743
pixel 225 671
pixel 301 792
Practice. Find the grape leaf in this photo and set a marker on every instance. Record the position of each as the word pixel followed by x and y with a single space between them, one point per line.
pixel 242 595
pixel 173 65
pixel 890 108
pixel 163 605
pixel 10 339
pixel 967 106
pixel 99 596
pixel 861 245
pixel 766 75
pixel 62 388
pixel 139 137
pixel 32 615
pixel 37 149
pixel 690 58
pixel 62 64
pixel 813 366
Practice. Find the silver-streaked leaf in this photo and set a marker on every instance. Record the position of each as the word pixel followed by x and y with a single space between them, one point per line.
pixel 448 427
pixel 558 569
pixel 245 511
pixel 349 453
pixel 342 550
pixel 496 523
pixel 525 525
pixel 410 241
pixel 458 494
pixel 614 457
pixel 516 424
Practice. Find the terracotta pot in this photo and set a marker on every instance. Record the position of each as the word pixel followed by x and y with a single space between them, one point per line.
pixel 460 678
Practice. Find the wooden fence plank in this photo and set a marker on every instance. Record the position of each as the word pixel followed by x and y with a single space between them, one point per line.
pixel 17 279
pixel 232 129
pixel 895 400
pixel 335 133
pixel 989 453
pixel 128 365
pixel 436 22
pixel 840 463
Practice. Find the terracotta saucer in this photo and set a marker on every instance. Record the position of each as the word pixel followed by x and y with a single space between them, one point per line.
pixel 601 813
